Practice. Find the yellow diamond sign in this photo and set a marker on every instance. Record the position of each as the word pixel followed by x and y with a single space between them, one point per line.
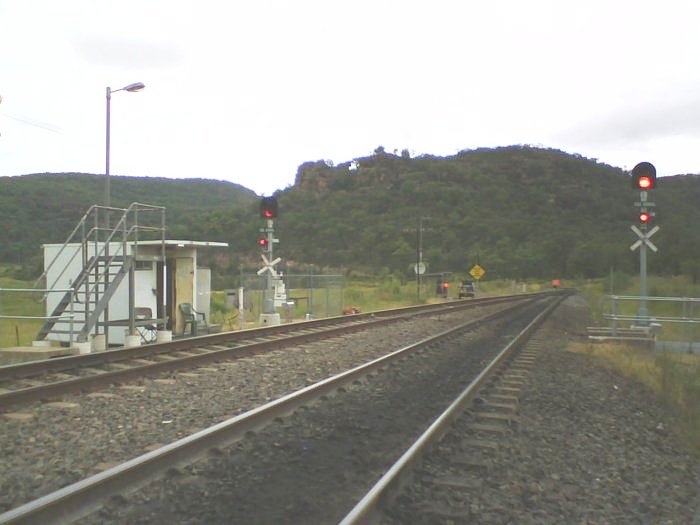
pixel 477 272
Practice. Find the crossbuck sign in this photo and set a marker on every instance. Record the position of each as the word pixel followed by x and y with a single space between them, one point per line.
pixel 269 265
pixel 644 238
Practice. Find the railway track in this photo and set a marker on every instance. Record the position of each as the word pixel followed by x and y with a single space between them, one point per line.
pixel 453 456
pixel 84 497
pixel 50 379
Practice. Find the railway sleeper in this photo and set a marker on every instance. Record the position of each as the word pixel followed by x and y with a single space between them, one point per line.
pixel 91 371
pixel 506 390
pixel 489 428
pixel 472 463
pixel 498 406
pixel 485 444
pixel 504 398
pixel 509 419
pixel 161 358
pixel 458 482
pixel 443 512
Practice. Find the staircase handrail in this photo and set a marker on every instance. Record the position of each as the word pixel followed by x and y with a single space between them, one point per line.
pixel 68 241
pixel 94 231
pixel 127 233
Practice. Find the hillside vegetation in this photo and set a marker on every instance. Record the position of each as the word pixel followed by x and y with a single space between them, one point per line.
pixel 44 208
pixel 520 212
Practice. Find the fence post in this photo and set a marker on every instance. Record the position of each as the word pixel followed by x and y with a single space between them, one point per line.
pixel 70 335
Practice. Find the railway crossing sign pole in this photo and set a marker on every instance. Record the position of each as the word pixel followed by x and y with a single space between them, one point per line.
pixel 268 211
pixel 642 243
pixel 268 315
pixel 644 178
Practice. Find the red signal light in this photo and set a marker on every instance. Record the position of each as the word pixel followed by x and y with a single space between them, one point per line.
pixel 262 241
pixel 645 183
pixel 644 217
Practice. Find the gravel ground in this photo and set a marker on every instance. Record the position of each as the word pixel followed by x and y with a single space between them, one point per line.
pixel 311 467
pixel 595 447
pixel 591 447
pixel 47 446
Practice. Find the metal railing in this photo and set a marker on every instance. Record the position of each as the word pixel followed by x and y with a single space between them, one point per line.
pixel 684 311
pixel 71 310
pixel 90 230
pixel 93 238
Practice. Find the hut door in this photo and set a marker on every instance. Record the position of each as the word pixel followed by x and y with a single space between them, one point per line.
pixel 184 287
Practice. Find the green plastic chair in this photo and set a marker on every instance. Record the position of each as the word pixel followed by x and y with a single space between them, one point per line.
pixel 196 320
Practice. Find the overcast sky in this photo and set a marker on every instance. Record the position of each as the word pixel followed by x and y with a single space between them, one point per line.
pixel 247 91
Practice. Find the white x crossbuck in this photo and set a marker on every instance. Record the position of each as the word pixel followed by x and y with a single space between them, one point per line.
pixel 644 238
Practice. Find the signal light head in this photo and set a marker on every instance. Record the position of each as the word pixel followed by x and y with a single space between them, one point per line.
pixel 268 208
pixel 644 176
pixel 644 217
pixel 262 241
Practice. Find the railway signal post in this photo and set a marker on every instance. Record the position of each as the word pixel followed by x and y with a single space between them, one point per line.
pixel 266 241
pixel 644 179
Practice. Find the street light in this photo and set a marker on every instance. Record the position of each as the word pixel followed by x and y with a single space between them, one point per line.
pixel 137 86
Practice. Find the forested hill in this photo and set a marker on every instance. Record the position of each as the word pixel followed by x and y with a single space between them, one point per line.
pixel 519 211
pixel 41 208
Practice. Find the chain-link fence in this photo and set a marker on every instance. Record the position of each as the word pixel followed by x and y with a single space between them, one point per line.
pixel 306 296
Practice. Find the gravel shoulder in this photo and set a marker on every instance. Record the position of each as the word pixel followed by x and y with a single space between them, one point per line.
pixel 592 448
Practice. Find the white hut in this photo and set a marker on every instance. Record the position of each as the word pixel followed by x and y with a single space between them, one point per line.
pixel 144 295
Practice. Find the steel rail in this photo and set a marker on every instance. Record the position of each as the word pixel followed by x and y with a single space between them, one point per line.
pixel 100 380
pixel 61 364
pixel 83 497
pixel 368 508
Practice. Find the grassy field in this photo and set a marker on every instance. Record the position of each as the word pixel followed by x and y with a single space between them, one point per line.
pixel 363 293
pixel 17 332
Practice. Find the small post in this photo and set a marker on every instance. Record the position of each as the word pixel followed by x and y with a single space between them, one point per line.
pixel 310 300
pixel 241 306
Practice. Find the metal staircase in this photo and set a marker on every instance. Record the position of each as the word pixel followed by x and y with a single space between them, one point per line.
pixel 108 250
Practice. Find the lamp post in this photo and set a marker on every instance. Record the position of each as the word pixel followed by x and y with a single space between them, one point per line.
pixel 137 86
